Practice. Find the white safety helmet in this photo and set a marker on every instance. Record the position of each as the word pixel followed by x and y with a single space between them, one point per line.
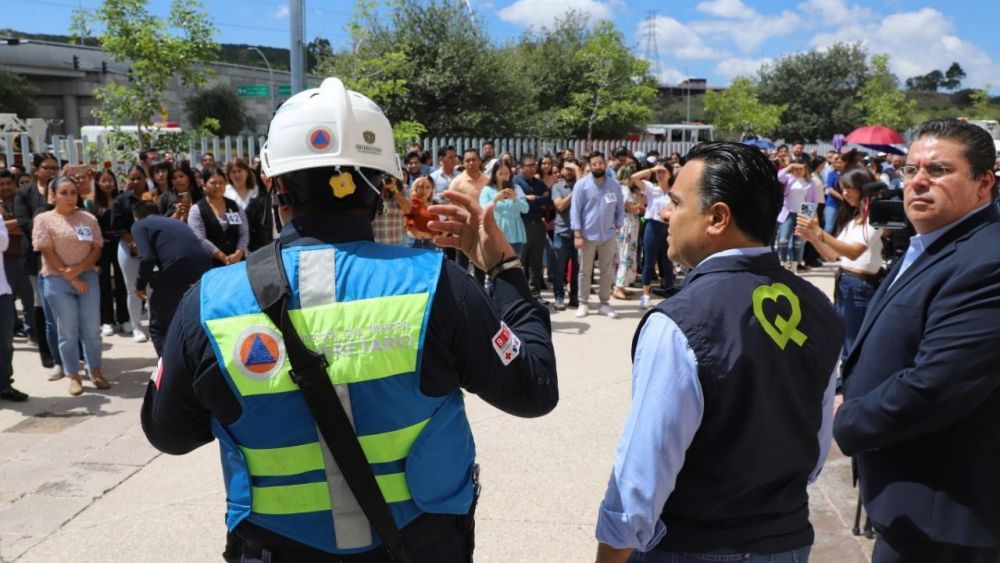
pixel 329 126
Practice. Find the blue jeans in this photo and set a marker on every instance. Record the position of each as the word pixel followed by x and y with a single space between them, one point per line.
pixel 790 248
pixel 78 318
pixel 51 335
pixel 830 219
pixel 563 244
pixel 654 251
pixel 7 315
pixel 800 555
pixel 851 296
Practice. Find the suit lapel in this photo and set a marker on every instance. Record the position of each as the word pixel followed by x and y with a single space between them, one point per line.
pixel 940 249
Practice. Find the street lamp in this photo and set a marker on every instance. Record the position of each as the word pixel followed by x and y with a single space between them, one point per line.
pixel 269 71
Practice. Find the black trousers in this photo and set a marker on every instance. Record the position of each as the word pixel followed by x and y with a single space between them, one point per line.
pixel 431 538
pixel 534 250
pixel 890 549
pixel 114 308
pixel 168 290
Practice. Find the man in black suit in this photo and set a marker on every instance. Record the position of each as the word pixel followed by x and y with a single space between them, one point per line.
pixel 921 412
pixel 175 251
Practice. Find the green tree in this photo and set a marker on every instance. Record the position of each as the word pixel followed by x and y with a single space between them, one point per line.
pixel 929 82
pixel 220 102
pixel 737 110
pixel 953 77
pixel 820 88
pixel 981 103
pixel 544 60
pixel 880 100
pixel 428 62
pixel 615 91
pixel 17 94
pixel 157 48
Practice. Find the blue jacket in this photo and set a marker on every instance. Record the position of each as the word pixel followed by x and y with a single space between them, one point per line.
pixel 921 413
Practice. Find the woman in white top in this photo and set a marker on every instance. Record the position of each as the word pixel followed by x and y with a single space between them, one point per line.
pixel 858 247
pixel 241 186
pixel 654 237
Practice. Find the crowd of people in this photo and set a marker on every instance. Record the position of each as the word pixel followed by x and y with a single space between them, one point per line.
pixel 73 235
pixel 84 255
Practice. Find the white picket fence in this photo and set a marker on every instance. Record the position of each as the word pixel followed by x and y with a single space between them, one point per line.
pixel 71 150
pixel 77 151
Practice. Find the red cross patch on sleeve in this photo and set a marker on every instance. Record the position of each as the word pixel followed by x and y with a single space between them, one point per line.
pixel 506 344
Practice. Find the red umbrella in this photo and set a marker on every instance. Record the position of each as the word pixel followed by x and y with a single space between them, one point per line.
pixel 875 135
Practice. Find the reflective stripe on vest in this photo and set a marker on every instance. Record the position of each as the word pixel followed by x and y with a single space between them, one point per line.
pixel 354 354
pixel 371 339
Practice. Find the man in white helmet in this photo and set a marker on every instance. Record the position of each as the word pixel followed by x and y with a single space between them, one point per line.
pixel 391 336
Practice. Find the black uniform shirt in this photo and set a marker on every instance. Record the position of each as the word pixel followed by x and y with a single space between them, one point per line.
pixel 172 246
pixel 458 348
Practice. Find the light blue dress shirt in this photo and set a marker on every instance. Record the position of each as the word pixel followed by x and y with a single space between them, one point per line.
pixel 667 409
pixel 919 243
pixel 597 211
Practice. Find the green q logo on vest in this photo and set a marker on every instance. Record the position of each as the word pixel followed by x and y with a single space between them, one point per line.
pixel 781 330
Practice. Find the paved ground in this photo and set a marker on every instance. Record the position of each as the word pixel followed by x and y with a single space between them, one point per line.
pixel 78 482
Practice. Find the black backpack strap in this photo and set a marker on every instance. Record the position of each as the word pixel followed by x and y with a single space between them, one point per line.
pixel 270 286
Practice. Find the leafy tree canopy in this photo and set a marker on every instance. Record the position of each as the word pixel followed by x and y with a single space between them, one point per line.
pixel 221 103
pixel 16 94
pixel 880 100
pixel 821 89
pixel 738 110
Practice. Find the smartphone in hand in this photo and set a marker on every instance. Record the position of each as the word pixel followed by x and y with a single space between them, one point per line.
pixel 808 209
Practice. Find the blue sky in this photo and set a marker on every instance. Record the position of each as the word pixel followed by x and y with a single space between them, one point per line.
pixel 713 39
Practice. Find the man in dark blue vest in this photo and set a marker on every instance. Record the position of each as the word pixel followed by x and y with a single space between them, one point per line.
pixel 732 384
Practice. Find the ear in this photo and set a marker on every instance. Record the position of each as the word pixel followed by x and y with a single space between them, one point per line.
pixel 720 216
pixel 986 183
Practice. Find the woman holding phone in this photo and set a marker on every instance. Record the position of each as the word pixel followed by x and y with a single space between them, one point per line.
pixel 798 190
pixel 857 246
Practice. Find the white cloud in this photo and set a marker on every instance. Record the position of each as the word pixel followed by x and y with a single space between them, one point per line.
pixel 282 11
pixel 731 68
pixel 747 28
pixel 724 8
pixel 541 12
pixel 676 40
pixel 835 12
pixel 918 42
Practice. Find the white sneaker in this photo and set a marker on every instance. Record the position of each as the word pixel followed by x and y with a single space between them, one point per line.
pixel 126 327
pixel 107 330
pixel 644 302
pixel 583 310
pixel 608 311
pixel 56 373
pixel 139 336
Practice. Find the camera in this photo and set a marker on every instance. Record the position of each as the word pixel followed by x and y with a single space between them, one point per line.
pixel 886 211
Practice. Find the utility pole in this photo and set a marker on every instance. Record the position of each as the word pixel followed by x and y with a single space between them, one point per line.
pixel 298 71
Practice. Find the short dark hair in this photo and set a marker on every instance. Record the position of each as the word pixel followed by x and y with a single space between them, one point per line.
pixel 526 156
pixel 977 143
pixel 594 154
pixel 744 179
pixel 143 209
pixel 4 173
pixel 144 153
pixel 472 150
pixel 412 154
pixel 443 151
pixel 620 152
pixel 799 141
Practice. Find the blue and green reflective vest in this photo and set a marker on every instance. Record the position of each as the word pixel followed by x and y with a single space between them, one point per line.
pixel 366 306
